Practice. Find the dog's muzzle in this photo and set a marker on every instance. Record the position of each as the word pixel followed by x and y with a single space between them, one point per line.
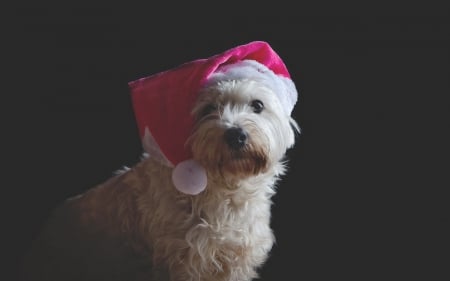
pixel 236 138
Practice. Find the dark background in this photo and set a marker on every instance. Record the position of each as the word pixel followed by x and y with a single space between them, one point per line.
pixel 364 195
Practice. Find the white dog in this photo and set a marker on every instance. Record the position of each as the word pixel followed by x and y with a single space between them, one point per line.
pixel 138 226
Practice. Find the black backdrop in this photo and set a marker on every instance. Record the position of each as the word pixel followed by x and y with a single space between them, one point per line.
pixel 364 195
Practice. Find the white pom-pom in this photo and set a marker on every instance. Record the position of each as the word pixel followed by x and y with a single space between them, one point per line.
pixel 189 177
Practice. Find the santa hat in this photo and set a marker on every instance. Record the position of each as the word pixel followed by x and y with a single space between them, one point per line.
pixel 163 103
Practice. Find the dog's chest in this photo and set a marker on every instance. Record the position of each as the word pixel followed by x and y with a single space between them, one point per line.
pixel 236 230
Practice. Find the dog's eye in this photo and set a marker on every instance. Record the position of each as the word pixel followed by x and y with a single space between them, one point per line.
pixel 210 108
pixel 257 105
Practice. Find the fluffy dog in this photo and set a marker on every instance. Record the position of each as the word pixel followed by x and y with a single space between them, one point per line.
pixel 137 226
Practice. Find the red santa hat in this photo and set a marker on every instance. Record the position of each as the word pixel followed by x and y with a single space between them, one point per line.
pixel 163 103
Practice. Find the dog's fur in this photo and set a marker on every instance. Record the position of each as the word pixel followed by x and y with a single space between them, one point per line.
pixel 137 226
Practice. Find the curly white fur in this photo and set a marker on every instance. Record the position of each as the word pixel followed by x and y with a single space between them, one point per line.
pixel 137 226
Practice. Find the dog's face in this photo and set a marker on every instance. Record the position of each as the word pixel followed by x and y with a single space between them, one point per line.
pixel 241 129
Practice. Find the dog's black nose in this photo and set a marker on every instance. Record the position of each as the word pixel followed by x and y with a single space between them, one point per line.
pixel 235 137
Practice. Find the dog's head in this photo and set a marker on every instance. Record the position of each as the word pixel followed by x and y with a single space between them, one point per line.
pixel 241 128
pixel 229 114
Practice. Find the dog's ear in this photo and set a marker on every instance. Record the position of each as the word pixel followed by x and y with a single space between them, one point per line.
pixel 295 127
pixel 296 131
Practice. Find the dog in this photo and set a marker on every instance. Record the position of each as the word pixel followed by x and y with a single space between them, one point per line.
pixel 137 226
